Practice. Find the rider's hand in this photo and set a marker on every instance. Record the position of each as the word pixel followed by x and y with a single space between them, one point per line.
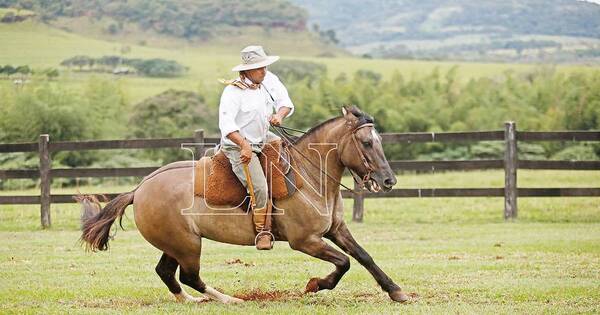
pixel 246 153
pixel 275 120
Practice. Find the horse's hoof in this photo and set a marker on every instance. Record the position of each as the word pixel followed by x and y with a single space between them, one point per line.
pixel 312 285
pixel 399 296
pixel 184 297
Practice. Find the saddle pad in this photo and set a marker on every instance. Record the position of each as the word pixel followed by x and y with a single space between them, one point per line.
pixel 224 188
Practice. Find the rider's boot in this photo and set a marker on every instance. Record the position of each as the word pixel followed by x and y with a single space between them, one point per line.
pixel 264 238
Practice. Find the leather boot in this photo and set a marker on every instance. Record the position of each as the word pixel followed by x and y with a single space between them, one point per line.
pixel 264 238
pixel 263 241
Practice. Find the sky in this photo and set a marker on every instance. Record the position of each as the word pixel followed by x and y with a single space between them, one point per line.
pixel 592 1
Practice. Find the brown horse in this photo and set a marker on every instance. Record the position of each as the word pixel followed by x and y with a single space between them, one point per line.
pixel 174 220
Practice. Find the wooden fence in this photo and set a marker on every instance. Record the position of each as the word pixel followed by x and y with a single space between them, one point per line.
pixel 510 136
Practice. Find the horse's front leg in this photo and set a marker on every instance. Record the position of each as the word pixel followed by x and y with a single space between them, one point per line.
pixel 343 238
pixel 316 247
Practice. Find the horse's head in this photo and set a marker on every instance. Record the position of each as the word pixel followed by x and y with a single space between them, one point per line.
pixel 361 151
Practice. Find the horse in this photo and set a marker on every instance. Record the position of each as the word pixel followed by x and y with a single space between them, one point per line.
pixel 174 220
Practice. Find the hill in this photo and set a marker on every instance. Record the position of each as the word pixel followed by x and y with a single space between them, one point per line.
pixel 180 18
pixel 181 23
pixel 531 30
pixel 40 45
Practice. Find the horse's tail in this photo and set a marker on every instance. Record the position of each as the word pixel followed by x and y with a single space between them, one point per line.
pixel 96 222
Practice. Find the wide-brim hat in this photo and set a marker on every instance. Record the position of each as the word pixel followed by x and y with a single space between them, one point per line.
pixel 254 57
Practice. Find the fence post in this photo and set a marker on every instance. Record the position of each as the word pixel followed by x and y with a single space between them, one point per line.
pixel 359 204
pixel 45 166
pixel 510 170
pixel 199 138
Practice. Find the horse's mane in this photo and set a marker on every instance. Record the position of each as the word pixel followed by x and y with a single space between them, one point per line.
pixel 363 118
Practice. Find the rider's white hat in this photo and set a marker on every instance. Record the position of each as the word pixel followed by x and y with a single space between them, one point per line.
pixel 254 57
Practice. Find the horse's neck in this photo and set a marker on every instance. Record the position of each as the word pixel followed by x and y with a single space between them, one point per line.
pixel 321 148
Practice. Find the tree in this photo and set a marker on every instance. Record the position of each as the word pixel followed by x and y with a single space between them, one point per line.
pixel 80 61
pixel 24 70
pixel 159 68
pixel 109 61
pixel 172 113
pixel 51 73
pixel 9 70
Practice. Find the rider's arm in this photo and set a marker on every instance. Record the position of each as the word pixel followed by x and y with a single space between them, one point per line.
pixel 246 149
pixel 283 104
pixel 228 109
pixel 277 119
pixel 237 138
pixel 279 93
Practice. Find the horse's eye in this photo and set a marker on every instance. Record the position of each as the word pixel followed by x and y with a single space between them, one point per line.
pixel 368 143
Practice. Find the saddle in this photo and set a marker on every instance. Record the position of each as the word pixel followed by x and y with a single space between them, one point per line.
pixel 222 186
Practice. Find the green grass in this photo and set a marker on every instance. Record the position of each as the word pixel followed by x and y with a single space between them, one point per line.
pixel 456 254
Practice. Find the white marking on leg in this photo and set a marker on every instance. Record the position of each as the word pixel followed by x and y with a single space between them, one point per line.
pixel 186 297
pixel 224 298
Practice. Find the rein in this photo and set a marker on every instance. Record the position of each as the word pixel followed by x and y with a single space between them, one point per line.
pixel 286 136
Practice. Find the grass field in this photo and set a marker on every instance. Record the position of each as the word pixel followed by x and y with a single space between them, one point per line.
pixel 37 45
pixel 454 255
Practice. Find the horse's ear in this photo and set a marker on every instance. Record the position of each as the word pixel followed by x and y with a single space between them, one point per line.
pixel 348 115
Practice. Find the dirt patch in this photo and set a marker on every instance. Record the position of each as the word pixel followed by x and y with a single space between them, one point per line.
pixel 260 295
pixel 413 295
pixel 237 261
pixel 366 295
pixel 109 303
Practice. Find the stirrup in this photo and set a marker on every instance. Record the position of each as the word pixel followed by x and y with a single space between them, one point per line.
pixel 262 233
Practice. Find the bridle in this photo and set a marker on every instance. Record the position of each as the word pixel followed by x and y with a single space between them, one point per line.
pixel 357 179
pixel 281 130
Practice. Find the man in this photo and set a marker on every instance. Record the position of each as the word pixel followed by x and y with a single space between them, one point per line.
pixel 246 109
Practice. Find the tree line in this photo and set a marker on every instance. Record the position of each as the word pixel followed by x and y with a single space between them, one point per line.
pixel 438 101
pixel 25 70
pixel 156 67
pixel 180 18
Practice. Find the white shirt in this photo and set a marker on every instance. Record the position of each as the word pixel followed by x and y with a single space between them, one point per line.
pixel 248 111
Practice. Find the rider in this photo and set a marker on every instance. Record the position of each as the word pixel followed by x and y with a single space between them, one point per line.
pixel 246 109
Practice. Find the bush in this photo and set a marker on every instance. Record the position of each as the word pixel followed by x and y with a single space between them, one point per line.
pixel 159 68
pixel 577 152
pixel 296 70
pixel 172 114
pixel 156 67
pixel 43 108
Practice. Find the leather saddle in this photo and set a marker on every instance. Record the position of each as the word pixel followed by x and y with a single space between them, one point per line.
pixel 222 187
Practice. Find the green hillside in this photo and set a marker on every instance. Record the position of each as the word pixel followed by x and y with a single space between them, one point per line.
pixel 530 30
pixel 180 18
pixel 38 45
pixel 178 24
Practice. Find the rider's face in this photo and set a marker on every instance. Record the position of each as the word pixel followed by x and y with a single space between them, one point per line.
pixel 256 75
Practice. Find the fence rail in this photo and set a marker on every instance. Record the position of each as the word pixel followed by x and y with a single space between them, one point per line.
pixel 510 164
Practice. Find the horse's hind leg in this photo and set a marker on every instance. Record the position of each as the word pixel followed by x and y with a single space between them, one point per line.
pixel 189 274
pixel 166 268
pixel 317 248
